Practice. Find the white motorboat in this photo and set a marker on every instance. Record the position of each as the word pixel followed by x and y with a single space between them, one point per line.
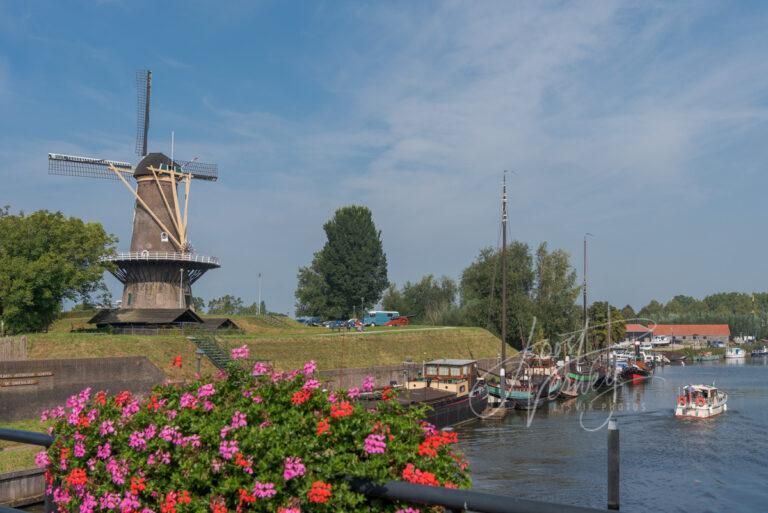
pixel 700 402
pixel 735 352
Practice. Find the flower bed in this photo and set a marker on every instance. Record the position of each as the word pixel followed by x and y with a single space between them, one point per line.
pixel 250 440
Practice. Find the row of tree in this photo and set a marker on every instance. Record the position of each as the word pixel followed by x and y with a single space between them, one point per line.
pixel 744 313
pixel 229 305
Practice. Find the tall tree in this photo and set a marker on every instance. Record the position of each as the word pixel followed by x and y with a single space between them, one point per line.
pixel 628 312
pixel 598 324
pixel 481 291
pixel 225 305
pixel 555 293
pixel 429 300
pixel 46 258
pixel 198 304
pixel 350 269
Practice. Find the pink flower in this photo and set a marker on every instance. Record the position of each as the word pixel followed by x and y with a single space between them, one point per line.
pixel 79 451
pixel 310 367
pixel 109 501
pixel 171 414
pixel 206 391
pixel 42 460
pixel 368 384
pixel 293 467
pixel 208 405
pixel 239 353
pixel 407 510
pixel 332 397
pixel 228 449
pixel 188 401
pixel 130 409
pixel 353 392
pixel 288 510
pixel 44 415
pixel 192 441
pixel 311 384
pixel 374 444
pixel 104 451
pixel 168 433
pixel 239 420
pixel 136 441
pixel 88 503
pixel 264 490
pixel 260 368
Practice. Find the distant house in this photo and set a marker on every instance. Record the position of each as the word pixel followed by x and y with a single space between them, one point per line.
pixel 695 335
pixel 637 332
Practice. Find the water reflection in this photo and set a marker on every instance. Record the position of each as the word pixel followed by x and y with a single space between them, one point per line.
pixel 561 457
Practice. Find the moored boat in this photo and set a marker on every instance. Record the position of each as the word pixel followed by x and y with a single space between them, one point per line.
pixel 706 357
pixel 700 402
pixel 451 390
pixel 735 352
pixel 756 353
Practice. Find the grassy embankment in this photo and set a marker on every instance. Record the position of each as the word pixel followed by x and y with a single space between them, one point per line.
pixel 286 343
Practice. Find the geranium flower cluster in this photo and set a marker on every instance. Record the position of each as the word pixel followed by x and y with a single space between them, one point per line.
pixel 252 439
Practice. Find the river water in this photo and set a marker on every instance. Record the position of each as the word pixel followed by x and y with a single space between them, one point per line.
pixel 668 465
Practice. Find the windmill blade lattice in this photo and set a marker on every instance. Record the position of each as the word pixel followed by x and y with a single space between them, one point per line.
pixel 71 165
pixel 143 90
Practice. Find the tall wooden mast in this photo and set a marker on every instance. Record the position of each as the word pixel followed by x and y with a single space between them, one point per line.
pixel 503 277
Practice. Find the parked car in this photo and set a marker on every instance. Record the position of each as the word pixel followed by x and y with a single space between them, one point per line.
pixel 309 321
pixel 400 321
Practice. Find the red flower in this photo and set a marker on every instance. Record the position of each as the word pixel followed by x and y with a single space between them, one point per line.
pixel 101 398
pixel 176 362
pixel 416 476
pixel 153 404
pixel 320 492
pixel 343 409
pixel 301 396
pixel 434 441
pixel 65 451
pixel 137 485
pixel 323 427
pixel 123 397
pixel 218 507
pixel 77 477
pixel 387 394
pixel 83 421
pixel 184 498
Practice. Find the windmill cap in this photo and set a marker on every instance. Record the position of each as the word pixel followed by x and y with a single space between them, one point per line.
pixel 152 159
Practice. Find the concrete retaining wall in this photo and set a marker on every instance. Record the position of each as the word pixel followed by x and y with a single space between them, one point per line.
pixel 30 386
pixel 22 487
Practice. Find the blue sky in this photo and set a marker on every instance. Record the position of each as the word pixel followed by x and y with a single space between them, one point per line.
pixel 644 123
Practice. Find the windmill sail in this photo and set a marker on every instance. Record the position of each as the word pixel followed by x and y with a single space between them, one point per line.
pixel 71 165
pixel 143 90
pixel 199 170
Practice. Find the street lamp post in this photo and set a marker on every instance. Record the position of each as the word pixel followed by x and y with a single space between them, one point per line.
pixel 198 356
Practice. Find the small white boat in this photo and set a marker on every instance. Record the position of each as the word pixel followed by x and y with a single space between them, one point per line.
pixel 763 351
pixel 700 402
pixel 735 352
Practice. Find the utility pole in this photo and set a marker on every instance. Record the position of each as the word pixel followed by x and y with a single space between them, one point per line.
pixel 502 372
pixel 260 294
pixel 181 287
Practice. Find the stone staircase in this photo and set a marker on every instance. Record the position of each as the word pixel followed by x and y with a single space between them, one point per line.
pixel 207 343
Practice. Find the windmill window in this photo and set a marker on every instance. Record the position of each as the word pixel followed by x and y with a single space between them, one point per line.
pixel 163 237
pixel 130 299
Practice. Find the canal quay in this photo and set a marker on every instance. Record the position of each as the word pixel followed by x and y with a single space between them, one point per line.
pixel 667 464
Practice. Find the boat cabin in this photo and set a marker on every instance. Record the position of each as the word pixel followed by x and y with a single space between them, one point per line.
pixel 452 375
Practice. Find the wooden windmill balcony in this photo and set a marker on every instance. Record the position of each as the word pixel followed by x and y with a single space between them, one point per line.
pixel 148 256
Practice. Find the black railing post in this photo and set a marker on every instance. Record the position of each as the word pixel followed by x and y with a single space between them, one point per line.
pixel 613 464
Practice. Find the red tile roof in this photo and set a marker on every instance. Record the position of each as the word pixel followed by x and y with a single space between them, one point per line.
pixel 686 330
pixel 636 328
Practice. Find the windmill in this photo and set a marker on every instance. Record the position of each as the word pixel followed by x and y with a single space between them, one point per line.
pixel 161 266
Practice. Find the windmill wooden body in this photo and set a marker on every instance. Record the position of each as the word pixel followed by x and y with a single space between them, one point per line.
pixel 161 266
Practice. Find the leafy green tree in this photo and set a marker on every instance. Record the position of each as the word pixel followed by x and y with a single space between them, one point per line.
pixel 46 258
pixel 198 304
pixel 628 312
pixel 263 308
pixel 555 292
pixel 225 305
pixel 350 268
pixel 481 291
pixel 598 324
pixel 429 301
pixel 653 311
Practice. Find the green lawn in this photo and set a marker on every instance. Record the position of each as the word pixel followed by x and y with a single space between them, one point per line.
pixel 15 456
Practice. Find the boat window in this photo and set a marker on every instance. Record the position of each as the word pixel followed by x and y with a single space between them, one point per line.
pixel 431 370
pixel 466 370
pixel 462 388
pixel 455 371
pixel 444 371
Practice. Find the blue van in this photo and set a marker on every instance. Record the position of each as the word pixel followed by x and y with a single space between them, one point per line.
pixel 379 317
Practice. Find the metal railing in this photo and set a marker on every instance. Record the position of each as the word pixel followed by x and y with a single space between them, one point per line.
pixel 32 438
pixel 161 255
pixel 453 500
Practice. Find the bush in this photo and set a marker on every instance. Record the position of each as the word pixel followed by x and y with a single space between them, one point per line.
pixel 250 440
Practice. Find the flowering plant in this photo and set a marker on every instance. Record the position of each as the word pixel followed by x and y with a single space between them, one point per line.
pixel 252 439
